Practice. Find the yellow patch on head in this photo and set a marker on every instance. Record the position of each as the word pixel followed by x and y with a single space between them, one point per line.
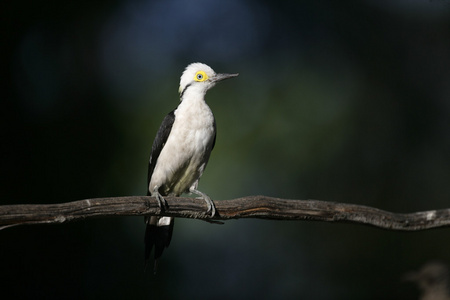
pixel 200 76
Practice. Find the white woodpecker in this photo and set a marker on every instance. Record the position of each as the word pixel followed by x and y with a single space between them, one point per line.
pixel 180 152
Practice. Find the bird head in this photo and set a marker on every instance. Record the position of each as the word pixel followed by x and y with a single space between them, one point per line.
pixel 200 78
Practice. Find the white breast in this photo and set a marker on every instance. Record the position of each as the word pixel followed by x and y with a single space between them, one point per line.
pixel 186 152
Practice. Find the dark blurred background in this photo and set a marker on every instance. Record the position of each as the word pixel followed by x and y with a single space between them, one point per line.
pixel 345 101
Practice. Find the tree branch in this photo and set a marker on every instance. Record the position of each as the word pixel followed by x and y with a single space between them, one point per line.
pixel 261 207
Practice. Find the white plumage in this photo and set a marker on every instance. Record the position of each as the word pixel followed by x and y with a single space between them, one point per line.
pixel 181 151
pixel 186 152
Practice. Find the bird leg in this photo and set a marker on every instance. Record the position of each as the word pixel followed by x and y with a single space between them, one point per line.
pixel 162 203
pixel 211 207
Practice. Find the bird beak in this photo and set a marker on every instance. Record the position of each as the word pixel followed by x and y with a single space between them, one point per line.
pixel 220 77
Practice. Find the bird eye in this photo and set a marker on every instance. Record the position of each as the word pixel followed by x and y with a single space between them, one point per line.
pixel 200 76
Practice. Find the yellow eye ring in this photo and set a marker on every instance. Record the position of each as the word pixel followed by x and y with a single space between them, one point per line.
pixel 200 76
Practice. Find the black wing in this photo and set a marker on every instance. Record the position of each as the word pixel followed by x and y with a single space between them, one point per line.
pixel 158 144
pixel 215 134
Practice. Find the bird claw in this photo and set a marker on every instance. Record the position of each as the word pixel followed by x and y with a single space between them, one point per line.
pixel 162 203
pixel 211 211
pixel 211 208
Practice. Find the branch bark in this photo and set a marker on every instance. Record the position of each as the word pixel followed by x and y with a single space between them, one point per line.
pixel 261 207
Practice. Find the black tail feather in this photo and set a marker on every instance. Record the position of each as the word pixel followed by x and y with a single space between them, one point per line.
pixel 159 237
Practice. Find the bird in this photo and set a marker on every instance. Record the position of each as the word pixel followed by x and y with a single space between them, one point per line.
pixel 180 153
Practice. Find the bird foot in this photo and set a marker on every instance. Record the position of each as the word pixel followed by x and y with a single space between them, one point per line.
pixel 162 203
pixel 211 211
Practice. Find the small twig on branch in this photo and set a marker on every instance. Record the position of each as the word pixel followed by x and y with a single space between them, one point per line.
pixel 261 207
